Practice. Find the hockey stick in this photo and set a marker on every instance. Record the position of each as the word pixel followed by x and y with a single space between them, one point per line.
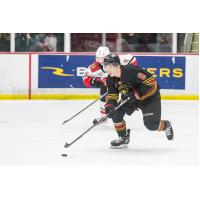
pixel 98 122
pixel 85 108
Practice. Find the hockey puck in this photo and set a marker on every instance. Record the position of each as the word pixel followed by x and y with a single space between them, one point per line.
pixel 64 154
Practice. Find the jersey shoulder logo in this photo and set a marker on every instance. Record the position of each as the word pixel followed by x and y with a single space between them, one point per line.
pixel 126 61
pixel 141 76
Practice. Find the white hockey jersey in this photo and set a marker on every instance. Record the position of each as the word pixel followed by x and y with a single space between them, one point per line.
pixel 96 70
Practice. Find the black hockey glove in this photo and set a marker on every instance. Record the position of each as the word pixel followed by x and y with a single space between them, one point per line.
pixel 110 110
pixel 123 89
pixel 98 82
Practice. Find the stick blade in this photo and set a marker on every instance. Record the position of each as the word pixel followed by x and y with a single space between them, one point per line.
pixel 66 145
pixel 65 122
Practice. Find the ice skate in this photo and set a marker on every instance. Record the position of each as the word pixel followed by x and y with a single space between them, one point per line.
pixel 169 131
pixel 121 142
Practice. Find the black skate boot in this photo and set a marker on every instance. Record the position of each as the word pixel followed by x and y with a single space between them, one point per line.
pixel 121 142
pixel 169 131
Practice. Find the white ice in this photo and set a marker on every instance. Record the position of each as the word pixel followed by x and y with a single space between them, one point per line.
pixel 31 133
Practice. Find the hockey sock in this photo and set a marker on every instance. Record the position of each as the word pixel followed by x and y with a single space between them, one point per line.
pixel 120 128
pixel 163 125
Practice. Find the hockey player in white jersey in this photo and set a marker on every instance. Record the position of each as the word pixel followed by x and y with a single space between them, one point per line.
pixel 96 77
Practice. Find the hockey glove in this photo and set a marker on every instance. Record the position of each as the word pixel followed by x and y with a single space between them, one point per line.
pixel 123 89
pixel 125 92
pixel 98 82
pixel 110 110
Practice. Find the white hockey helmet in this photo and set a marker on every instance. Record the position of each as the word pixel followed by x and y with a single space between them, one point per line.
pixel 101 53
pixel 125 59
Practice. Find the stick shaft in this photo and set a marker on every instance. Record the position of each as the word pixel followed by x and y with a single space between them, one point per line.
pixel 85 108
pixel 91 127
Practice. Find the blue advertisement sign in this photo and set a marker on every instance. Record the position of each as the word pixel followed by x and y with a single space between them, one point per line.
pixel 169 70
pixel 66 71
pixel 62 71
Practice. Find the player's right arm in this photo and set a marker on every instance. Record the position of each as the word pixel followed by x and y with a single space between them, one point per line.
pixel 146 84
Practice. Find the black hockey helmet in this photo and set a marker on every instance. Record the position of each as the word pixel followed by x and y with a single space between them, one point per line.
pixel 111 59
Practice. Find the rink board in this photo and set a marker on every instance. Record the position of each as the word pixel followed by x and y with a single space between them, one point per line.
pixel 84 97
pixel 59 76
pixel 66 71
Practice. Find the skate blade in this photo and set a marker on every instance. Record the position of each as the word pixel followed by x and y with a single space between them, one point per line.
pixel 171 139
pixel 124 146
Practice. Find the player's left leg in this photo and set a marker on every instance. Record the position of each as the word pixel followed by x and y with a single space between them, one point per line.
pixel 166 126
pixel 152 118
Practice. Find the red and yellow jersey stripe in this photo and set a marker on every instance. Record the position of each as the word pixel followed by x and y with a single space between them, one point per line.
pixel 153 84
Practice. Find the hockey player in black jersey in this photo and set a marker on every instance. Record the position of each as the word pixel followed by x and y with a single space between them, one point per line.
pixel 142 89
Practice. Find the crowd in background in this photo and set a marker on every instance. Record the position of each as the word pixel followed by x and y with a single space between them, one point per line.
pixel 5 42
pixel 89 42
pixel 39 42
pixel 125 42
pixel 147 42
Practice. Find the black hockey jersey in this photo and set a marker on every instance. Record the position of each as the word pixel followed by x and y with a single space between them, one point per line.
pixel 138 80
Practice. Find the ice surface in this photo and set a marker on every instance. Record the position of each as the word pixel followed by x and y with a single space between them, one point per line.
pixel 31 133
